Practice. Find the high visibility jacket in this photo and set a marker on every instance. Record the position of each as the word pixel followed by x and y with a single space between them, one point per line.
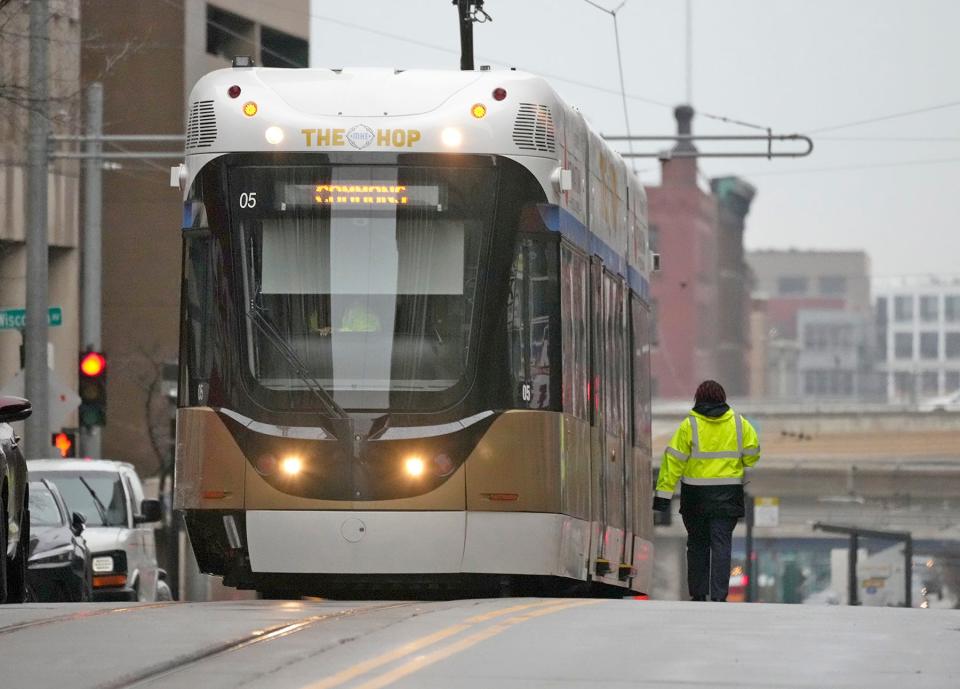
pixel 708 455
pixel 359 319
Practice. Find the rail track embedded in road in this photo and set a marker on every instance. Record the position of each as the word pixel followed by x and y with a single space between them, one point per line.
pixel 258 636
pixel 81 615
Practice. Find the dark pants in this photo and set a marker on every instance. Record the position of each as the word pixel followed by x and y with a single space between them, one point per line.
pixel 709 540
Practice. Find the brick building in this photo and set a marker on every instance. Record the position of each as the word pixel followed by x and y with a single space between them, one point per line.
pixel 701 294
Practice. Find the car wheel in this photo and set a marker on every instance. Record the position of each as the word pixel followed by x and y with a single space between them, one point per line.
pixel 17 573
pixel 163 591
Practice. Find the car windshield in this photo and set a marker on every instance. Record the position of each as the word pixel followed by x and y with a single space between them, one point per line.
pixel 98 495
pixel 43 507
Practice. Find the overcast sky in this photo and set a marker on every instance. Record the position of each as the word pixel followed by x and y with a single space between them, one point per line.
pixel 793 65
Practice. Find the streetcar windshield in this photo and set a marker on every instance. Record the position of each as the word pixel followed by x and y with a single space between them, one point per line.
pixel 361 280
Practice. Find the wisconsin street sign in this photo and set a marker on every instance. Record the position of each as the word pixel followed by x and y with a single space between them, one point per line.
pixel 16 319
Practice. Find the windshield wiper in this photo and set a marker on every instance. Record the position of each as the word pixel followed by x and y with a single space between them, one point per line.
pixel 266 326
pixel 96 501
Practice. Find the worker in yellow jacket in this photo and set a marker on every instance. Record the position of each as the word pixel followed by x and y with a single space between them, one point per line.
pixel 707 455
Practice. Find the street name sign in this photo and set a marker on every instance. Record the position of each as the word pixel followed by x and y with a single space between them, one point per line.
pixel 16 319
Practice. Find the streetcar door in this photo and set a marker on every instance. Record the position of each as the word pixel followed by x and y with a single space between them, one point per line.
pixel 613 394
pixel 598 499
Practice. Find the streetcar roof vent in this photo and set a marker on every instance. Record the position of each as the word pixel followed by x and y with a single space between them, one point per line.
pixel 201 125
pixel 533 129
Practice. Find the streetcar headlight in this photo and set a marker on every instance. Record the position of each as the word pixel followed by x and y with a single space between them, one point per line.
pixel 414 466
pixel 291 465
pixel 102 564
pixel 451 137
pixel 274 135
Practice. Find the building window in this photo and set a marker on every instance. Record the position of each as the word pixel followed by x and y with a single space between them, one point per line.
pixel 229 34
pixel 792 285
pixel 929 383
pixel 951 308
pixel 903 345
pixel 654 239
pixel 951 381
pixel 929 308
pixel 903 384
pixel 882 345
pixel 881 310
pixel 833 285
pixel 952 345
pixel 279 49
pixel 829 383
pixel 929 345
pixel 903 308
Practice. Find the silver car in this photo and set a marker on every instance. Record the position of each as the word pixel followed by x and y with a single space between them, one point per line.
pixel 122 547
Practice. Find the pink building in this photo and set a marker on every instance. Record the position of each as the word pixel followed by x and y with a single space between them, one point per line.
pixel 683 228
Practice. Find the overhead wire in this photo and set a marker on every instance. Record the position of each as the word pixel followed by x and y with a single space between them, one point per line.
pixel 884 118
pixel 845 168
pixel 623 90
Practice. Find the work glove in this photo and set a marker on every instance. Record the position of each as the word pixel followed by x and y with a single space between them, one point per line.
pixel 661 504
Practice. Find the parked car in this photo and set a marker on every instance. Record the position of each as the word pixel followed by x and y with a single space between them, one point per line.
pixel 59 567
pixel 15 529
pixel 122 547
pixel 948 402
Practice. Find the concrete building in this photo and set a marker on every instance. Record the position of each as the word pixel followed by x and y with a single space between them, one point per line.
pixel 63 194
pixel 918 336
pixel 813 279
pixel 819 341
pixel 171 44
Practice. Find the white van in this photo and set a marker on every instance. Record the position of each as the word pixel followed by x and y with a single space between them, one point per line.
pixel 122 547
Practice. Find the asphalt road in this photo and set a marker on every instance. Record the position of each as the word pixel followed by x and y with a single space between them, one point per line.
pixel 475 643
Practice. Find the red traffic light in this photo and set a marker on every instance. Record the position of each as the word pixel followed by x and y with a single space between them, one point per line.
pixel 92 364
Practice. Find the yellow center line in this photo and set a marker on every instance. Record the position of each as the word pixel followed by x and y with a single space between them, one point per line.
pixel 423 661
pixel 400 652
pixel 396 654
pixel 513 608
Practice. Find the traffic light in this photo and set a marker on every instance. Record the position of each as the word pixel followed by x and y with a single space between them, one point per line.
pixel 93 389
pixel 66 442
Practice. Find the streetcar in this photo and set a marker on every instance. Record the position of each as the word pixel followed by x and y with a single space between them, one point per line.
pixel 415 338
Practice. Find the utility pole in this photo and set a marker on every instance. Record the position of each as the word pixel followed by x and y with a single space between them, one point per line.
pixel 469 12
pixel 466 35
pixel 36 371
pixel 91 296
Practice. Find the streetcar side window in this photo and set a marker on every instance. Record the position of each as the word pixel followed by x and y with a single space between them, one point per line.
pixel 574 322
pixel 196 303
pixel 533 324
pixel 614 325
pixel 640 334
